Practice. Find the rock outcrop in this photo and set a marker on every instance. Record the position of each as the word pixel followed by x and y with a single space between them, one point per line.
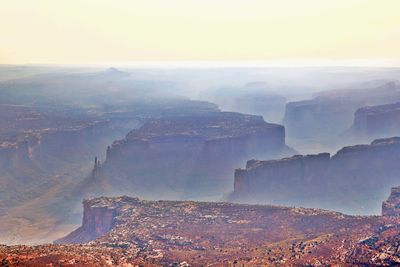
pixel 329 114
pixel 189 156
pixel 391 207
pixel 98 219
pixel 354 180
pixel 30 165
pixel 127 231
pixel 377 121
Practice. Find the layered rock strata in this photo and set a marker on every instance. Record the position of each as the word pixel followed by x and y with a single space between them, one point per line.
pixel 354 180
pixel 188 156
pixel 377 121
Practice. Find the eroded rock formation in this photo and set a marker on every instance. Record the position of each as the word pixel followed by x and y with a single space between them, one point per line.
pixel 391 207
pixel 127 231
pixel 329 114
pixel 354 180
pixel 377 121
pixel 98 219
pixel 189 156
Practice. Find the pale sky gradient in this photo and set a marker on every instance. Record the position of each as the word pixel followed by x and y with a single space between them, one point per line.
pixel 95 31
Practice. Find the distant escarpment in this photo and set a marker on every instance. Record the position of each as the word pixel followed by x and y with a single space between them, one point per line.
pixel 187 156
pixel 252 98
pixel 32 163
pixel 354 180
pixel 329 114
pixel 377 121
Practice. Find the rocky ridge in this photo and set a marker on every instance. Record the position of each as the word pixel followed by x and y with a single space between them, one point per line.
pixel 353 180
pixel 377 121
pixel 128 231
pixel 326 118
pixel 206 149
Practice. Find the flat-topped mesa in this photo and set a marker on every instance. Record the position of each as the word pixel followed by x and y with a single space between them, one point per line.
pixel 227 129
pixel 99 217
pixel 299 171
pixel 129 219
pixel 330 113
pixel 391 207
pixel 125 231
pixel 377 121
pixel 190 154
pixel 354 180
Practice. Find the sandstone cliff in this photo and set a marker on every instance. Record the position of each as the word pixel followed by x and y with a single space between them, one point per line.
pixel 391 207
pixel 188 156
pixel 98 218
pixel 354 180
pixel 32 164
pixel 325 117
pixel 126 231
pixel 377 121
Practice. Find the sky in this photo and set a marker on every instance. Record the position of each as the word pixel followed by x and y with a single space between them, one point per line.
pixel 101 31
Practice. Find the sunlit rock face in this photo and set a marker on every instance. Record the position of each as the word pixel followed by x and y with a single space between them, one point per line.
pixel 354 180
pixel 377 121
pixel 391 207
pixel 329 114
pixel 189 156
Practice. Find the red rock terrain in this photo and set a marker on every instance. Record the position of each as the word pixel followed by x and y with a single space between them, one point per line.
pixel 129 232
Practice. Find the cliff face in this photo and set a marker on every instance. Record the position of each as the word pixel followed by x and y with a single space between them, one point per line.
pixel 331 113
pixel 127 231
pixel 60 143
pixel 31 165
pixel 354 180
pixel 391 207
pixel 377 121
pixel 98 219
pixel 190 155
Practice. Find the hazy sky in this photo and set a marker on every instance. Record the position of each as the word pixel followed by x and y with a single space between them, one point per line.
pixel 96 31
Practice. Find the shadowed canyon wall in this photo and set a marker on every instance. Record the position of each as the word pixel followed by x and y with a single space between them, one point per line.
pixel 376 122
pixel 355 180
pixel 187 157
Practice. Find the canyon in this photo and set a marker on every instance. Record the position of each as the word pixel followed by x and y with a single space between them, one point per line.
pixel 95 134
pixel 47 145
pixel 354 180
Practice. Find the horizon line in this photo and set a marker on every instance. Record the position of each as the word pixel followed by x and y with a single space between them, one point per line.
pixel 379 63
